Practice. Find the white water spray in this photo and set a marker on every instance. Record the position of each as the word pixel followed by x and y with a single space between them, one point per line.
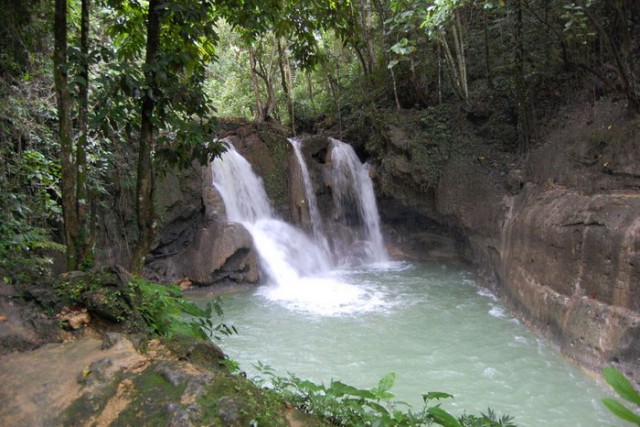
pixel 310 197
pixel 241 190
pixel 355 203
pixel 297 271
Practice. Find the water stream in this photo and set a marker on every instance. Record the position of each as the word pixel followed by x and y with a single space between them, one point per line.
pixel 310 197
pixel 361 319
pixel 430 325
pixel 355 206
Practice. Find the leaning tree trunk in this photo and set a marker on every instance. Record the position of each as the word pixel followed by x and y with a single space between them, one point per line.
pixel 65 133
pixel 145 181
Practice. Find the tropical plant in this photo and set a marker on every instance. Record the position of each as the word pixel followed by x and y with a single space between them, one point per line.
pixel 167 313
pixel 345 405
pixel 29 179
pixel 623 387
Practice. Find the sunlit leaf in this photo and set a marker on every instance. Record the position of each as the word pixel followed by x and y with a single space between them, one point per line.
pixel 621 411
pixel 621 385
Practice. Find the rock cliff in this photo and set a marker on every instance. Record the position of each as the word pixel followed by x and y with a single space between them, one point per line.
pixel 556 234
pixel 196 244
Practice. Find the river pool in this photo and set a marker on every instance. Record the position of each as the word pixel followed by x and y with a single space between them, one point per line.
pixel 430 325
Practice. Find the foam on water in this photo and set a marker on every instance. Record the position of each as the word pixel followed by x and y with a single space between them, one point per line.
pixel 497 311
pixel 296 268
pixel 428 326
pixel 323 296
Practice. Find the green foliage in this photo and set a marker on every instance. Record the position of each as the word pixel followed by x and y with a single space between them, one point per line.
pixel 623 387
pixel 183 114
pixel 167 313
pixel 143 306
pixel 23 31
pixel 29 179
pixel 345 405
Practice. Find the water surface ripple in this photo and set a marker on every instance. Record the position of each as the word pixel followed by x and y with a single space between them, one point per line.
pixel 430 325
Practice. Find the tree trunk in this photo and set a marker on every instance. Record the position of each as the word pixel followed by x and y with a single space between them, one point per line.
pixel 333 89
pixel 85 256
pixel 145 180
pixel 258 114
pixel 458 44
pixel 623 57
pixel 285 76
pixel 312 100
pixel 65 133
pixel 368 32
pixel 524 123
pixel 487 51
pixel 265 73
pixel 395 89
pixel 439 55
pixel 451 63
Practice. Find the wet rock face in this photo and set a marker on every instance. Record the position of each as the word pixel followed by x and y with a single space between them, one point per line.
pixel 577 244
pixel 557 236
pixel 571 264
pixel 181 207
pixel 315 151
pixel 196 243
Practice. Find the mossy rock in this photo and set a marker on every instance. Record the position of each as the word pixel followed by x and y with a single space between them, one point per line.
pixel 233 400
pixel 181 387
pixel 107 295
pixel 202 353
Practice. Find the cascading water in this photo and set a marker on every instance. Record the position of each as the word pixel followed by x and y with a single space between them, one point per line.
pixel 310 197
pixel 241 190
pixel 355 205
pixel 427 323
pixel 297 271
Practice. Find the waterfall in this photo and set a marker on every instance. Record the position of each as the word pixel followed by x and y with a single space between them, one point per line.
pixel 285 251
pixel 241 190
pixel 296 269
pixel 355 204
pixel 310 198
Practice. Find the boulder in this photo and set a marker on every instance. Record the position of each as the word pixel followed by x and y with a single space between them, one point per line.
pixel 222 253
pixel 196 243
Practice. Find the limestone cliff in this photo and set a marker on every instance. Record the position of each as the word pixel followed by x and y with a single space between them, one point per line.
pixel 555 233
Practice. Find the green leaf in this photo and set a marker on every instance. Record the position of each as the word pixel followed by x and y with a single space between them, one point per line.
pixel 436 395
pixel 192 309
pixel 621 385
pixel 621 411
pixel 387 382
pixel 309 386
pixel 377 407
pixel 442 417
pixel 339 389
